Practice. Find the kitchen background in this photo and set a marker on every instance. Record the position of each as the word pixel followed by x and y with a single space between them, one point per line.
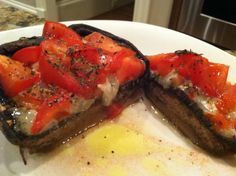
pixel 199 18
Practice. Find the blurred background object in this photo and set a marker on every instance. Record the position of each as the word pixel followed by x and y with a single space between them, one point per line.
pixel 64 10
pixel 209 20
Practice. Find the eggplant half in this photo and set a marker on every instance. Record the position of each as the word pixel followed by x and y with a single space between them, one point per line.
pixel 187 115
pixel 74 124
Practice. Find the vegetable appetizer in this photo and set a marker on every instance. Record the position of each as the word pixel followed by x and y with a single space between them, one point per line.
pixel 64 82
pixel 57 85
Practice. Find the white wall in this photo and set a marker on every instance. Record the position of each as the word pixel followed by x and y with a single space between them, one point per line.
pixel 28 2
pixel 63 10
pixel 153 11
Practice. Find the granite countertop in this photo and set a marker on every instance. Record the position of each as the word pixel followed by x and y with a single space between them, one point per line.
pixel 12 18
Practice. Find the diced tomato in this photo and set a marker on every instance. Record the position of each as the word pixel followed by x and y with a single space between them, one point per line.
pixel 219 120
pixel 217 74
pixel 125 66
pixel 54 30
pixel 35 95
pixel 163 63
pixel 115 62
pixel 114 110
pixel 130 69
pixel 15 77
pixel 226 103
pixel 101 41
pixel 28 55
pixel 52 72
pixel 57 51
pixel 28 100
pixel 209 77
pixel 53 108
pixel 87 66
pixel 52 75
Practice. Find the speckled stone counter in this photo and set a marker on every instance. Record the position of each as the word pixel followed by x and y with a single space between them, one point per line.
pixel 11 18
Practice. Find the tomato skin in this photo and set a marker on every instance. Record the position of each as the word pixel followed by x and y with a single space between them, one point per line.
pixel 54 108
pixel 125 66
pixel 98 40
pixel 163 63
pixel 209 77
pixel 28 55
pixel 65 80
pixel 130 69
pixel 226 103
pixel 15 77
pixel 114 110
pixel 28 100
pixel 219 120
pixel 54 30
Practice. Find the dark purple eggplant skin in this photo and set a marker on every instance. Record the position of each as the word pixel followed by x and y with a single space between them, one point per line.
pixel 76 124
pixel 187 117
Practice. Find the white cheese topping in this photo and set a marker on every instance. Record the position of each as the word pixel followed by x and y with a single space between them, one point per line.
pixel 109 89
pixel 24 119
pixel 207 104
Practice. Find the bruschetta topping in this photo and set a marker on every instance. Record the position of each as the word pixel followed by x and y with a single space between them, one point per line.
pixel 204 82
pixel 65 75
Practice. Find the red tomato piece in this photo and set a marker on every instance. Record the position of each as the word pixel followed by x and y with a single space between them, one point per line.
pixel 115 62
pixel 163 63
pixel 126 66
pixel 114 110
pixel 217 74
pixel 28 55
pixel 52 74
pixel 219 120
pixel 227 101
pixel 130 69
pixel 101 41
pixel 53 108
pixel 35 95
pixel 54 30
pixel 28 100
pixel 209 77
pixel 15 77
pixel 57 51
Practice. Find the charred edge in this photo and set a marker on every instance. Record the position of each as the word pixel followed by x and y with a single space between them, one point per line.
pixel 185 51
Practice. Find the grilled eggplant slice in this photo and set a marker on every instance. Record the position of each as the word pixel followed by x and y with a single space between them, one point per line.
pixel 186 106
pixel 74 124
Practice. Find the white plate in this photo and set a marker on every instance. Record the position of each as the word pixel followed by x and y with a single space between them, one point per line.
pixel 150 146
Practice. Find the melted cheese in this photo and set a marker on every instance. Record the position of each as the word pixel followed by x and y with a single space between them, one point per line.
pixel 206 103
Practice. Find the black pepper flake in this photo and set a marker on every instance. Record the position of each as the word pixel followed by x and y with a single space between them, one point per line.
pixel 32 72
pixel 88 163
pixel 112 151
